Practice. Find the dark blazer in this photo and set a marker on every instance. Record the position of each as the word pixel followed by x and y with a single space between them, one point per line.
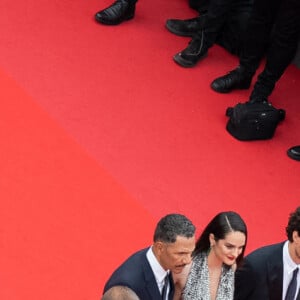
pixel 261 275
pixel 137 274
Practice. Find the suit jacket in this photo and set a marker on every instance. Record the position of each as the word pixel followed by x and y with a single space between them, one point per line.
pixel 261 275
pixel 136 273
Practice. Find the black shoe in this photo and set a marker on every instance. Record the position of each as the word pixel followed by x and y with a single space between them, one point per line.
pixel 119 11
pixel 195 51
pixel 236 79
pixel 294 152
pixel 185 27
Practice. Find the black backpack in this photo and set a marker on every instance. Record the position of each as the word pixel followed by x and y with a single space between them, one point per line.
pixel 253 121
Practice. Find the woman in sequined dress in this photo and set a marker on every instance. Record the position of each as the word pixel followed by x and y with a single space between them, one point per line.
pixel 219 249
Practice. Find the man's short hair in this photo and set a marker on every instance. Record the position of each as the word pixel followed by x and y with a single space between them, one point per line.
pixel 293 224
pixel 171 226
pixel 119 292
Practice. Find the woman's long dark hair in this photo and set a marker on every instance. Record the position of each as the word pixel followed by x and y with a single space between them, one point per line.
pixel 222 224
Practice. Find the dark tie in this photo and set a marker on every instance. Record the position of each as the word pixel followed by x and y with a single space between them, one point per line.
pixel 164 294
pixel 291 291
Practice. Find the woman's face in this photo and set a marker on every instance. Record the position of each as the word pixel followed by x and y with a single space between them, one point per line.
pixel 228 249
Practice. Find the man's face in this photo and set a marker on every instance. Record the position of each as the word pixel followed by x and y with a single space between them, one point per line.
pixel 294 248
pixel 174 256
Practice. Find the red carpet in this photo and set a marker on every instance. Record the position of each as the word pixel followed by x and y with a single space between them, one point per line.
pixel 102 134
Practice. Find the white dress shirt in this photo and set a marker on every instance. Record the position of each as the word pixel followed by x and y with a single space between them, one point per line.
pixel 159 272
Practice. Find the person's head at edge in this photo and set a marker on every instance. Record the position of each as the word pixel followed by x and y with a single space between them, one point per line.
pixel 174 242
pixel 293 235
pixel 120 293
pixel 225 238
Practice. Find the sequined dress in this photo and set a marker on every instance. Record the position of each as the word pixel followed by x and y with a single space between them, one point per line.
pixel 197 285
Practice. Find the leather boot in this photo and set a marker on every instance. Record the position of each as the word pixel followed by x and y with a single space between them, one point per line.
pixel 195 51
pixel 238 78
pixel 119 11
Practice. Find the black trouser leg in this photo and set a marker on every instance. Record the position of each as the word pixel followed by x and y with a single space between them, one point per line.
pixel 200 5
pixel 233 32
pixel 284 42
pixel 215 18
pixel 258 32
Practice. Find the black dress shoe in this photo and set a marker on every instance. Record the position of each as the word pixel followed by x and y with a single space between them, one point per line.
pixel 185 27
pixel 119 11
pixel 236 79
pixel 294 152
pixel 195 51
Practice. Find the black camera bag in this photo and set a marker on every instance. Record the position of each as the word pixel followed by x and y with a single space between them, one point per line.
pixel 253 121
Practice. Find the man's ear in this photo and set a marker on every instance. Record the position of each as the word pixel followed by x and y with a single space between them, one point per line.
pixel 296 237
pixel 158 247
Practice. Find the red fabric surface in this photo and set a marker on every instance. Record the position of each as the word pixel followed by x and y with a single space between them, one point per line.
pixel 102 134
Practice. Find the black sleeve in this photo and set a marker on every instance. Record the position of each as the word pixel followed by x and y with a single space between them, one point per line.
pixel 245 282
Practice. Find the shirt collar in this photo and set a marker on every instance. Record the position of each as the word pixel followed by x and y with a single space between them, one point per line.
pixel 287 260
pixel 159 272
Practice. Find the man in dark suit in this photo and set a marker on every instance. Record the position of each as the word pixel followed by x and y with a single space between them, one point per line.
pixel 268 272
pixel 148 272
